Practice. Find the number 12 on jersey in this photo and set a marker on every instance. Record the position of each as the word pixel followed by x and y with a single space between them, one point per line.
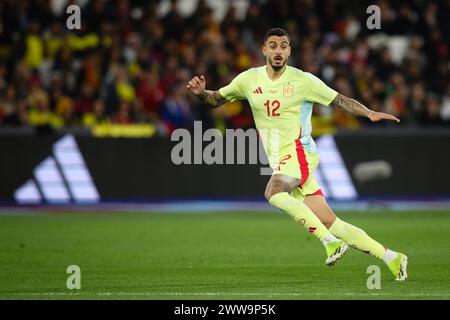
pixel 275 106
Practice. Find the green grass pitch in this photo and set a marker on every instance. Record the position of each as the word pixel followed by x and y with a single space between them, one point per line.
pixel 231 255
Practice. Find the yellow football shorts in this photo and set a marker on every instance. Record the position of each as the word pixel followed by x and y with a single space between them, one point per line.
pixel 296 162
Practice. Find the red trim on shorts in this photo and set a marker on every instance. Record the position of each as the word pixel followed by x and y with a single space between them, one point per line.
pixel 318 193
pixel 301 156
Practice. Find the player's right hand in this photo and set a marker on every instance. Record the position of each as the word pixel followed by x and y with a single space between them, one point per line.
pixel 197 85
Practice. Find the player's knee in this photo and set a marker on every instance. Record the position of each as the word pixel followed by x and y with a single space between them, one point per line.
pixel 275 187
pixel 328 222
pixel 268 194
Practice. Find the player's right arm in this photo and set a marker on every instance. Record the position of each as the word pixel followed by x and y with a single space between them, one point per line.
pixel 197 85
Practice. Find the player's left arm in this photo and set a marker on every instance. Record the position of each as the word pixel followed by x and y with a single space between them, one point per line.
pixel 354 107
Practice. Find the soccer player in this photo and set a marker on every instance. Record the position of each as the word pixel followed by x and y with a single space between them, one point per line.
pixel 281 98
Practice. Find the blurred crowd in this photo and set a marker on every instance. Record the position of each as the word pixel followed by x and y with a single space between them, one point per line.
pixel 129 64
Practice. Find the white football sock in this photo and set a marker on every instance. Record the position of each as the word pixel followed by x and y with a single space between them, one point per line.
pixel 389 256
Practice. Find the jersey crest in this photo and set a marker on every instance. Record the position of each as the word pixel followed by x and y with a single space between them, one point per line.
pixel 288 91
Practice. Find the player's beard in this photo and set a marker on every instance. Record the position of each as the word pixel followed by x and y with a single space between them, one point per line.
pixel 276 67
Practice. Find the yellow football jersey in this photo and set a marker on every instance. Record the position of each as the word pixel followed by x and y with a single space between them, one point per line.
pixel 282 108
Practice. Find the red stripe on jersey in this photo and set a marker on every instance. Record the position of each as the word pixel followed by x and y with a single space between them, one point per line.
pixel 301 156
pixel 318 193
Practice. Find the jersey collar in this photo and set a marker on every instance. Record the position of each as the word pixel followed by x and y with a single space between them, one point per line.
pixel 264 68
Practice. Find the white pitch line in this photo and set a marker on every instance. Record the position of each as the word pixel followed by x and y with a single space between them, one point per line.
pixel 293 294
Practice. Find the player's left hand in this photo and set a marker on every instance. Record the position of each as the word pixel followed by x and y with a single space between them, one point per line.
pixel 377 116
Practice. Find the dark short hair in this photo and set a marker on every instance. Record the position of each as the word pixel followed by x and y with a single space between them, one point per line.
pixel 276 32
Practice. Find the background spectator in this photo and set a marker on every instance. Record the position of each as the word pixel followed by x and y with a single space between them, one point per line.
pixel 129 61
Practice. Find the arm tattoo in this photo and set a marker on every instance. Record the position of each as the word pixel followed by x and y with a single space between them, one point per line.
pixel 213 98
pixel 350 105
